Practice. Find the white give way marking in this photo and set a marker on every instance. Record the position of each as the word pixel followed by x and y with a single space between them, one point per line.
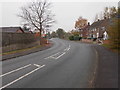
pixel 38 67
pixel 15 70
pixel 59 54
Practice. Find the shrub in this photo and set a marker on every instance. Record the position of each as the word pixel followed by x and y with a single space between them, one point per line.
pixel 71 38
pixel 80 38
pixel 76 38
pixel 94 39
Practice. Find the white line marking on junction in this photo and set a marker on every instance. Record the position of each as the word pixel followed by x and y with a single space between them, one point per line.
pixel 15 70
pixel 65 49
pixel 22 77
pixel 52 55
pixel 37 65
pixel 60 55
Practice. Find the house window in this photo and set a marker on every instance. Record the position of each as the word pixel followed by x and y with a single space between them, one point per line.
pixel 81 35
pixel 95 29
pixel 103 28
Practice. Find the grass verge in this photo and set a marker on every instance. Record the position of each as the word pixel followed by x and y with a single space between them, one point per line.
pixel 111 48
pixel 21 50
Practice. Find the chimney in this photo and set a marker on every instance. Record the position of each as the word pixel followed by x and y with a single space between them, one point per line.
pixel 88 23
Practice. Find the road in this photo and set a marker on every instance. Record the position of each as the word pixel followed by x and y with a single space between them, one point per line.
pixel 66 64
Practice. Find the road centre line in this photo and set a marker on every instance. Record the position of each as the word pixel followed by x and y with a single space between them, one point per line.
pixel 22 77
pixel 15 70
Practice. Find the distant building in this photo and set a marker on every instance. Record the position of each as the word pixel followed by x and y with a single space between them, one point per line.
pixel 11 29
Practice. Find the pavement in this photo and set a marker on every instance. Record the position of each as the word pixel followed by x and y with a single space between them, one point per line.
pixel 67 64
pixel 107 71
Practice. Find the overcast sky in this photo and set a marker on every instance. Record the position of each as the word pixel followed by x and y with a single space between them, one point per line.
pixel 66 11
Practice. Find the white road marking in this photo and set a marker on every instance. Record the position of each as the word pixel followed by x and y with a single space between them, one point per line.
pixel 15 70
pixel 69 45
pixel 65 49
pixel 68 49
pixel 60 55
pixel 52 55
pixel 21 77
pixel 37 65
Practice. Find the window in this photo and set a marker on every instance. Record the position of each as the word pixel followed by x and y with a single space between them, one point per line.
pixel 103 28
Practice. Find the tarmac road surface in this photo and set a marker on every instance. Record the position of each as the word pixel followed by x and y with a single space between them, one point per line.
pixel 66 64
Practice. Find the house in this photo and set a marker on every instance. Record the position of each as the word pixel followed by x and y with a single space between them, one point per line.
pixel 84 31
pixel 96 30
pixel 11 29
pixel 37 33
pixel 99 29
pixel 25 31
pixel 105 35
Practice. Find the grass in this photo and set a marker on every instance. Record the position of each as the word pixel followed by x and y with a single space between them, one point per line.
pixel 106 45
pixel 21 50
pixel 111 48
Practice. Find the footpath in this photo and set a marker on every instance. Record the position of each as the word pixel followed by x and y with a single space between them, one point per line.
pixel 107 69
pixel 27 51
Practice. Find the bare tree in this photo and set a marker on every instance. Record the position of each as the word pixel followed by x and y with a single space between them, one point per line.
pixel 37 14
pixel 96 18
pixel 106 13
pixel 101 16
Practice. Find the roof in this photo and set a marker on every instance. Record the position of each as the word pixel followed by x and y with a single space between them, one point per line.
pixel 28 31
pixel 10 29
pixel 86 27
pixel 101 23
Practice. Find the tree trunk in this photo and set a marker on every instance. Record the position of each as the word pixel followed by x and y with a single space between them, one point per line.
pixel 40 38
pixel 40 34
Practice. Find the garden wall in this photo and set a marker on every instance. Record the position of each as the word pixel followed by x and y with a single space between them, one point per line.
pixel 16 41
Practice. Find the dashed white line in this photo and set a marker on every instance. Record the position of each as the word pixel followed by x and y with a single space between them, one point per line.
pixel 22 77
pixel 15 70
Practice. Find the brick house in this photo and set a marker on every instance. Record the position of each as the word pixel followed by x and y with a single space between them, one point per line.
pixel 84 31
pixel 96 30
pixel 11 30
pixel 99 29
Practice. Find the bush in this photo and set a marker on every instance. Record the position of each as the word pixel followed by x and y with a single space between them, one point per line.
pixel 114 33
pixel 94 39
pixel 89 38
pixel 76 38
pixel 71 38
pixel 80 38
